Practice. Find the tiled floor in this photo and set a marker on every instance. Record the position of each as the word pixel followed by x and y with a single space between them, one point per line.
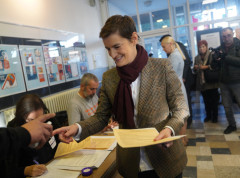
pixel 211 154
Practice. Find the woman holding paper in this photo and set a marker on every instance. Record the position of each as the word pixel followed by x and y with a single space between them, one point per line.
pixel 31 161
pixel 141 92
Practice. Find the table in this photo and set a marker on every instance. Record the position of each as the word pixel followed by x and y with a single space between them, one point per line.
pixel 107 168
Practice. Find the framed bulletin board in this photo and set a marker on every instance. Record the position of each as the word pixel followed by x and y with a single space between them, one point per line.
pixel 33 67
pixel 11 75
pixel 212 36
pixel 54 65
pixel 71 60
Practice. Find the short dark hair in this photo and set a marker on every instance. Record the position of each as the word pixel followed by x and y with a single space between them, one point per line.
pixel 164 37
pixel 227 28
pixel 27 104
pixel 118 23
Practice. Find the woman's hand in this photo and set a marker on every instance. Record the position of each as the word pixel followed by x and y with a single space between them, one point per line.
pixel 35 170
pixel 196 67
pixel 110 125
pixel 165 133
pixel 204 67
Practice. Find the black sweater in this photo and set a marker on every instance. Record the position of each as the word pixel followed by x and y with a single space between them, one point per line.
pixel 11 141
pixel 26 155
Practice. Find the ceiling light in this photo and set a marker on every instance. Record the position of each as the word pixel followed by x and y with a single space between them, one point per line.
pixel 209 1
pixel 159 20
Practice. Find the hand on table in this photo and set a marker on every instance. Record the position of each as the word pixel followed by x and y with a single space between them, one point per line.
pixel 35 170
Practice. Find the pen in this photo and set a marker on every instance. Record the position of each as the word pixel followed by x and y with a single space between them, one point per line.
pixel 35 161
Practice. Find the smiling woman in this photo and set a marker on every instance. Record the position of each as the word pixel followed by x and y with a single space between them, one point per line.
pixel 138 93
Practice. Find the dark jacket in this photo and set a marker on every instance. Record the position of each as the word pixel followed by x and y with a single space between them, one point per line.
pixel 26 155
pixel 187 71
pixel 230 65
pixel 11 141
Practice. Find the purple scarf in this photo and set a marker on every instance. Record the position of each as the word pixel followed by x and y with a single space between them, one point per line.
pixel 123 107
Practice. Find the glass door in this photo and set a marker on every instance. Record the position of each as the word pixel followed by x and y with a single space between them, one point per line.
pixel 152 44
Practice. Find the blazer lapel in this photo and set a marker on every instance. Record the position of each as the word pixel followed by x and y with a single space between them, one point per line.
pixel 146 84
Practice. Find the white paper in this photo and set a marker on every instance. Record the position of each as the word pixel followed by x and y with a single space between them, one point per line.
pixel 56 173
pixel 213 39
pixel 80 159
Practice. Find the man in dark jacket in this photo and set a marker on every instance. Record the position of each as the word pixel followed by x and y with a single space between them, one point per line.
pixel 12 139
pixel 230 75
pixel 187 77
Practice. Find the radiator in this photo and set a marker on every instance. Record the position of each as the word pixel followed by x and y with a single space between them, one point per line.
pixel 55 103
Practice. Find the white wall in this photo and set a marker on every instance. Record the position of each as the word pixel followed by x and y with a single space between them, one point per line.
pixel 67 15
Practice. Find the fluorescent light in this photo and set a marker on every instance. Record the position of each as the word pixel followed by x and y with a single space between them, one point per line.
pixel 159 20
pixel 209 1
pixel 164 26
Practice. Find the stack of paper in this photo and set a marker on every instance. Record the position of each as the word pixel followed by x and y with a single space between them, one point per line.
pixel 128 138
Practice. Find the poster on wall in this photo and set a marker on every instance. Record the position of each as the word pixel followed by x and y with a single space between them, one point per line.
pixel 33 67
pixel 212 36
pixel 54 65
pixel 11 77
pixel 83 65
pixel 71 60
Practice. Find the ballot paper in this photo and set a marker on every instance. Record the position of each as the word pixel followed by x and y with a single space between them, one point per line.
pixel 56 173
pixel 92 142
pixel 80 159
pixel 128 138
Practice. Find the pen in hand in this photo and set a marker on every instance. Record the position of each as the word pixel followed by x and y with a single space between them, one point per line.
pixel 35 161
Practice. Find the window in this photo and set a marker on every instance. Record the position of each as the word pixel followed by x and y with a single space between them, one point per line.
pixel 181 35
pixel 201 11
pixel 153 14
pixel 233 8
pixel 178 10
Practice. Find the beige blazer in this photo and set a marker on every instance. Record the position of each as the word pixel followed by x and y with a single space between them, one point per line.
pixel 161 103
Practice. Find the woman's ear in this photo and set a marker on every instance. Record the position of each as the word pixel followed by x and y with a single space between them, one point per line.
pixel 134 38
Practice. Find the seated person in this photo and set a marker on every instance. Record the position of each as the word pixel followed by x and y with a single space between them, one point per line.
pixel 28 108
pixel 85 102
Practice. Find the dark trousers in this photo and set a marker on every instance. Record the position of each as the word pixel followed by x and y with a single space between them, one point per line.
pixel 188 91
pixel 211 100
pixel 152 174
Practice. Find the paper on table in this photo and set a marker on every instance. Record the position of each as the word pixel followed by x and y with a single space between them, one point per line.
pixel 128 138
pixel 100 142
pixel 93 142
pixel 64 148
pixel 80 159
pixel 55 173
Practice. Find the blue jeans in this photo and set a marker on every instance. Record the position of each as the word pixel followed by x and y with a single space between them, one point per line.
pixel 228 92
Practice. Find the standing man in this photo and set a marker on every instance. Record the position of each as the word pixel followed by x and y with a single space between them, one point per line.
pixel 230 75
pixel 85 102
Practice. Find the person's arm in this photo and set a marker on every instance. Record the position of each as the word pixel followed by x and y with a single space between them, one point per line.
pixel 233 60
pixel 12 139
pixel 176 102
pixel 187 61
